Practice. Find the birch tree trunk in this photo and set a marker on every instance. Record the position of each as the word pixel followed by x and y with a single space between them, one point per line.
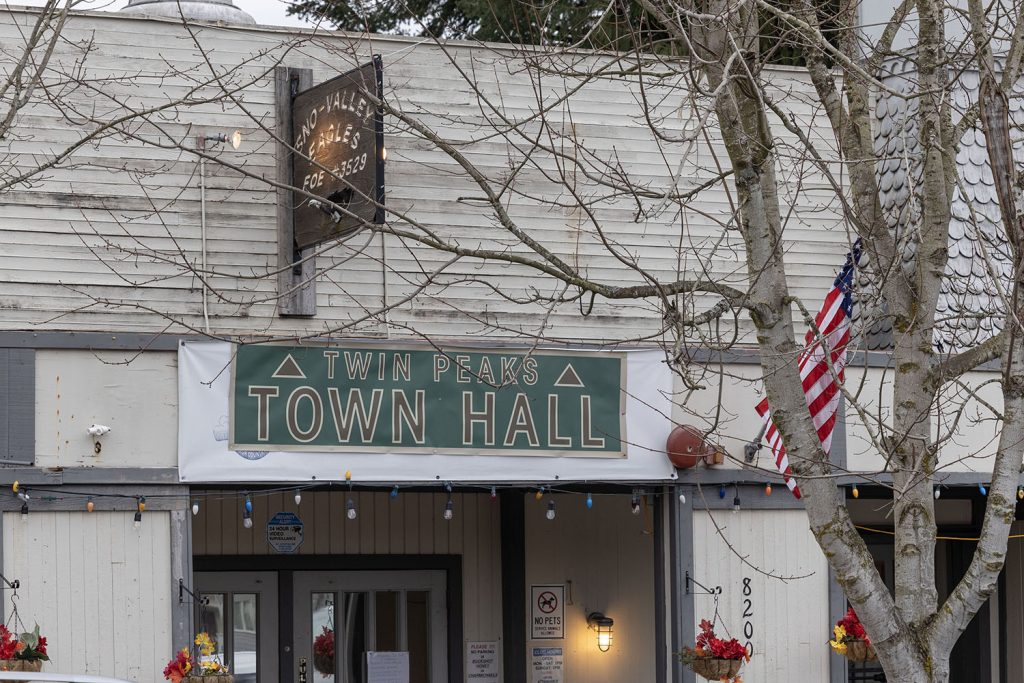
pixel 913 637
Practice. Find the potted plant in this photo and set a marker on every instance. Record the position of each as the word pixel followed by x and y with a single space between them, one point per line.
pixel 204 666
pixel 25 653
pixel 323 652
pixel 851 640
pixel 713 658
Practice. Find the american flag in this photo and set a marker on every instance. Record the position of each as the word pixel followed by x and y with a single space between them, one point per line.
pixel 833 322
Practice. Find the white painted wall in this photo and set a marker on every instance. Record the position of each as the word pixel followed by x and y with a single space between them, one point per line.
pixel 963 420
pixel 605 556
pixel 99 589
pixel 774 553
pixel 136 395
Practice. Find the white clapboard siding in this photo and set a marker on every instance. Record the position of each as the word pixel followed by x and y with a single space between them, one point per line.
pixel 410 524
pixel 604 556
pixel 137 204
pixel 99 589
pixel 774 553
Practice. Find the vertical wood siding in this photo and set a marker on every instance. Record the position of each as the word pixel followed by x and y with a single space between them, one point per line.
pixel 605 556
pixel 409 524
pixel 789 619
pixel 99 589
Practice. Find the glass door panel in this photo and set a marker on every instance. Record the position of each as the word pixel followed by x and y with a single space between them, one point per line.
pixel 211 619
pixel 388 623
pixel 418 635
pixel 244 633
pixel 240 614
pixel 347 614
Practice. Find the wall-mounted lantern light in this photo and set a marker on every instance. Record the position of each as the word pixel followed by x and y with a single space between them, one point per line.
pixel 603 625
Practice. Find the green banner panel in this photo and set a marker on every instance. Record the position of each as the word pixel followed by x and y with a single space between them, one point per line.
pixel 418 399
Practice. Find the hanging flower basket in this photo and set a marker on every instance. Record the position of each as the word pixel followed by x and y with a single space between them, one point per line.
pixel 323 652
pixel 21 665
pixel 851 640
pixel 26 652
pixel 713 658
pixel 860 651
pixel 324 664
pixel 203 667
pixel 715 669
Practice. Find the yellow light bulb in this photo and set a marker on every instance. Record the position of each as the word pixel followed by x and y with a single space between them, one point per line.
pixel 90 506
pixel 348 475
pixel 855 492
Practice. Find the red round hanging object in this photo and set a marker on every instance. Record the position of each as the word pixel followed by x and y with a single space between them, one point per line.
pixel 686 446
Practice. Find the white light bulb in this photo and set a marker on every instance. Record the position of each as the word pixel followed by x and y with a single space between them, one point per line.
pixel 247 522
pixel 682 497
pixel 550 514
pixel 195 508
pixel 298 498
pixel 449 511
pixel 350 509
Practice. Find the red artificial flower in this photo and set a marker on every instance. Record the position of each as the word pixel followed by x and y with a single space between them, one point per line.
pixel 8 643
pixel 179 667
pixel 41 647
pixel 709 645
pixel 854 629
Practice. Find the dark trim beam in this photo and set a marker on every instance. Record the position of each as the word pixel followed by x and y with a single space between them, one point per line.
pixel 513 584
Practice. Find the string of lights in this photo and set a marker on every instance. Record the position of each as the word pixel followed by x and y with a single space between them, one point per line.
pixel 639 496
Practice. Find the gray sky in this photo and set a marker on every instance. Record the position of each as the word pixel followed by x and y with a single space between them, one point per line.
pixel 270 12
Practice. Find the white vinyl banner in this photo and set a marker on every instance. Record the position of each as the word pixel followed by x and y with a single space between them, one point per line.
pixel 205 453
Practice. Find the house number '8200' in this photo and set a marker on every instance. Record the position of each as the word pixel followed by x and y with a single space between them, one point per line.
pixel 748 614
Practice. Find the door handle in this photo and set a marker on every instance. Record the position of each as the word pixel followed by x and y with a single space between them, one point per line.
pixel 302 670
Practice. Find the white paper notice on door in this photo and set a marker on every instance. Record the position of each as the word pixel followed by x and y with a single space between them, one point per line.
pixel 387 667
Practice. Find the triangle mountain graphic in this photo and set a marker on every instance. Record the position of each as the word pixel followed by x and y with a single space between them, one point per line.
pixel 289 369
pixel 569 378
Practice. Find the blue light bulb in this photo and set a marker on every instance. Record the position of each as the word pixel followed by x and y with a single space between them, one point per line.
pixel 590 501
pixel 394 492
